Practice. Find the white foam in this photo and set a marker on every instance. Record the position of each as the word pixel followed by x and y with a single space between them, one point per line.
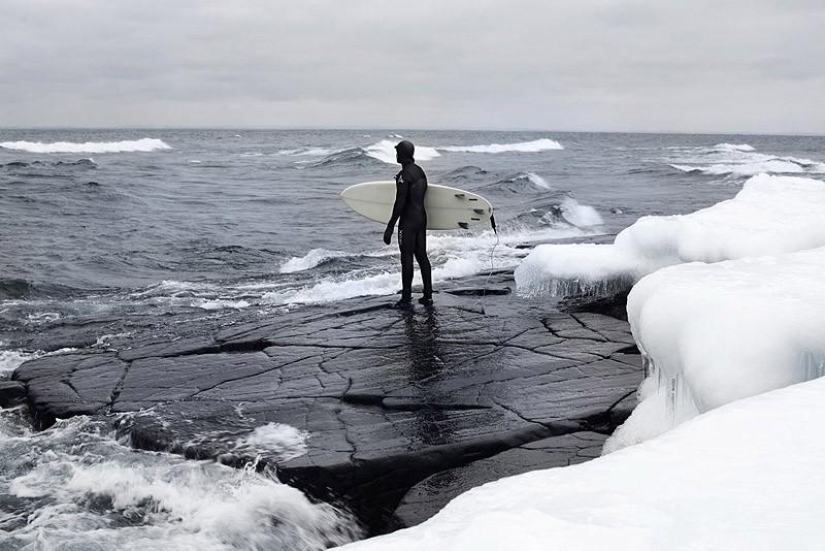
pixel 716 333
pixel 385 151
pixel 770 215
pixel 535 146
pixel 315 257
pixel 285 441
pixel 144 145
pixel 85 480
pixel 740 160
pixel 172 287
pixel 538 180
pixel 733 147
pixel 310 260
pixel 773 166
pixel 747 476
pixel 220 304
pixel 307 152
pixel 581 216
pixel 452 256
pixel 12 359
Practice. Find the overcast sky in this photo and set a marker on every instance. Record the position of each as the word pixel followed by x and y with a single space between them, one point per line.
pixel 625 65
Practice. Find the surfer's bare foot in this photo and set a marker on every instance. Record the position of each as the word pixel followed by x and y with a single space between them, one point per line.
pixel 403 303
pixel 426 301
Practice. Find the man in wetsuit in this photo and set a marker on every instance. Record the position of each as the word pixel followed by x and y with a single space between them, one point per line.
pixel 411 186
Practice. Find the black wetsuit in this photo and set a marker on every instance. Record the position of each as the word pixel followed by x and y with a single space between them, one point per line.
pixel 411 186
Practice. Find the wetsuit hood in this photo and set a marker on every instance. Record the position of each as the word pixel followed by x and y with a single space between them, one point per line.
pixel 404 152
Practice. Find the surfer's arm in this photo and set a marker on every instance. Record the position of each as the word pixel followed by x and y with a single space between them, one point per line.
pixel 401 191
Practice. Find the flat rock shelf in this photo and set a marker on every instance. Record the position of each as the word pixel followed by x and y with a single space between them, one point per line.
pixel 404 409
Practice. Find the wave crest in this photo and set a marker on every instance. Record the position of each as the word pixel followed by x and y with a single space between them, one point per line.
pixel 142 145
pixel 520 183
pixel 733 147
pixel 535 146
pixel 385 151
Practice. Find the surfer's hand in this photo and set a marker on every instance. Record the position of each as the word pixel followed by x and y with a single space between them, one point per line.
pixel 388 235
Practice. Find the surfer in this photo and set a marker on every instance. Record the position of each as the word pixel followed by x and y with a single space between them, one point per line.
pixel 409 212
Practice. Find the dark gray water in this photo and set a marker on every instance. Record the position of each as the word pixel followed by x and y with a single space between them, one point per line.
pixel 140 227
pixel 225 219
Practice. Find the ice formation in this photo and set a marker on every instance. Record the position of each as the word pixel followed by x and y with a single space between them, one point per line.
pixel 715 333
pixel 770 215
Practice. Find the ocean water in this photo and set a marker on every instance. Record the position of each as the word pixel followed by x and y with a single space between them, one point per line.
pixel 151 229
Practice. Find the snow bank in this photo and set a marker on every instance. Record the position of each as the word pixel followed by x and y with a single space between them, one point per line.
pixel 746 476
pixel 715 333
pixel 770 215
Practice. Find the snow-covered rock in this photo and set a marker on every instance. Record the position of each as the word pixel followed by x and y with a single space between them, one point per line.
pixel 715 333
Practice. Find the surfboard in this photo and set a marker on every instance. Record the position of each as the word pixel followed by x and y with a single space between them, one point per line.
pixel 447 208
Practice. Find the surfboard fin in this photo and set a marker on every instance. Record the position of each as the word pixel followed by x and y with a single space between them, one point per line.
pixel 478 211
pixel 463 225
pixel 459 195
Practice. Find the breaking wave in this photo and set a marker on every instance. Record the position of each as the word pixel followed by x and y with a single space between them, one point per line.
pixel 319 257
pixel 385 151
pixel 776 165
pixel 142 145
pixel 535 146
pixel 306 152
pixel 740 160
pixel 75 486
pixel 354 156
pixel 733 147
pixel 560 211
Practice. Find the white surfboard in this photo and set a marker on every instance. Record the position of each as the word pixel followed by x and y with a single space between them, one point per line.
pixel 447 208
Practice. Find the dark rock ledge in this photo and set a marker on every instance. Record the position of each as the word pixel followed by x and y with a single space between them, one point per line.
pixel 443 398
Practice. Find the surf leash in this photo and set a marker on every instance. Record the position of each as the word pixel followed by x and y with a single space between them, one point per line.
pixel 492 266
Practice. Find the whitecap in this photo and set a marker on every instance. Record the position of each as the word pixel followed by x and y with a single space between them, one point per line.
pixel 538 180
pixel 385 151
pixel 142 145
pixel 733 147
pixel 581 216
pixel 535 146
pixel 310 260
pixel 307 152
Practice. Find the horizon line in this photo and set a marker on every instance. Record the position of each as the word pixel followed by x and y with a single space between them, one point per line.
pixel 411 129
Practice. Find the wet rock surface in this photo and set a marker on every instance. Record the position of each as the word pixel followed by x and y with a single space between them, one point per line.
pixel 609 303
pixel 388 398
pixel 430 495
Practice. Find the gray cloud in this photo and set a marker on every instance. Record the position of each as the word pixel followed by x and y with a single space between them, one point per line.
pixel 754 66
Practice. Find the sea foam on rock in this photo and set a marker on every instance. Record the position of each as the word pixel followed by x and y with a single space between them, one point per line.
pixel 770 215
